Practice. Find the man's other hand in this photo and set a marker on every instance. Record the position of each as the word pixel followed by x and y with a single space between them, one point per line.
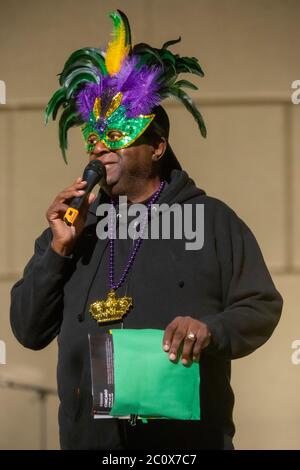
pixel 186 337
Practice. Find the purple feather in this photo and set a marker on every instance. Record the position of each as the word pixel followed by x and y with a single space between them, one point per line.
pixel 85 99
pixel 139 88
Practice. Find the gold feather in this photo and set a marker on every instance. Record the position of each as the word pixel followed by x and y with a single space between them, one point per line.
pixel 114 104
pixel 97 108
pixel 117 49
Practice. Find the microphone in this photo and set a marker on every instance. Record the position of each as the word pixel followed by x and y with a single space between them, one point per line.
pixel 93 173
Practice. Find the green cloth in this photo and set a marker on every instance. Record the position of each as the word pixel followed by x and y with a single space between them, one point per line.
pixel 147 383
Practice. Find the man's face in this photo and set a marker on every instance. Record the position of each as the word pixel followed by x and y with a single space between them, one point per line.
pixel 124 167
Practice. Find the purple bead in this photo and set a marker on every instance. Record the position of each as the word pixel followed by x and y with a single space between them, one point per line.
pixel 136 245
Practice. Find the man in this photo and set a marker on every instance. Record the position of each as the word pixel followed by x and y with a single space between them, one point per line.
pixel 214 304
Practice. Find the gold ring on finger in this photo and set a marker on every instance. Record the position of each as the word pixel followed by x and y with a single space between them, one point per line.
pixel 191 336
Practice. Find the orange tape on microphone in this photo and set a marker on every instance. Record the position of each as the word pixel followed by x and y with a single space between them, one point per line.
pixel 71 215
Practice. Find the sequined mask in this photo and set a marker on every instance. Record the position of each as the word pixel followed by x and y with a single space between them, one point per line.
pixel 113 128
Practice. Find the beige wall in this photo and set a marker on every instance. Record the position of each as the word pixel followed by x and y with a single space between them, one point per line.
pixel 249 51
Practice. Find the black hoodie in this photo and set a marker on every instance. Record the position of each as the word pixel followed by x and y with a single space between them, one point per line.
pixel 225 284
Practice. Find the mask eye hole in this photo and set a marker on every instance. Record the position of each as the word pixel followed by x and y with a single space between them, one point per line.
pixel 114 135
pixel 92 139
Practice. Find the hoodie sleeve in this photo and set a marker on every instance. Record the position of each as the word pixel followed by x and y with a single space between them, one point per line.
pixel 37 299
pixel 251 304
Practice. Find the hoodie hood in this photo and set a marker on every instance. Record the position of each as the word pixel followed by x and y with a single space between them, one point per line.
pixel 180 189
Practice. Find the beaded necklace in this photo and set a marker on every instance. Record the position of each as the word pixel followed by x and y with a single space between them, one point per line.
pixel 114 308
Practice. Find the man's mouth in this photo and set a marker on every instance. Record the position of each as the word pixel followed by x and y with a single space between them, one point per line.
pixel 108 160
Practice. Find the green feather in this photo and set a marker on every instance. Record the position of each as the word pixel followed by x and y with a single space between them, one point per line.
pixel 173 64
pixel 78 77
pixel 167 56
pixel 85 63
pixel 57 100
pixel 186 84
pixel 148 52
pixel 92 54
pixel 150 55
pixel 68 119
pixel 169 76
pixel 189 64
pixel 170 43
pixel 191 107
pixel 127 28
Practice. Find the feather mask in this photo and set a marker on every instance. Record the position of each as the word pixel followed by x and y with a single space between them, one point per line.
pixel 113 92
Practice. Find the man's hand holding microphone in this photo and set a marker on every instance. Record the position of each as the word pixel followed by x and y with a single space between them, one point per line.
pixel 68 212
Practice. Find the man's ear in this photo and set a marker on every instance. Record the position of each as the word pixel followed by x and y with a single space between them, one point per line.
pixel 159 149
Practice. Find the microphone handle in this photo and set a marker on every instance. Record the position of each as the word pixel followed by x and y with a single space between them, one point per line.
pixel 73 211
